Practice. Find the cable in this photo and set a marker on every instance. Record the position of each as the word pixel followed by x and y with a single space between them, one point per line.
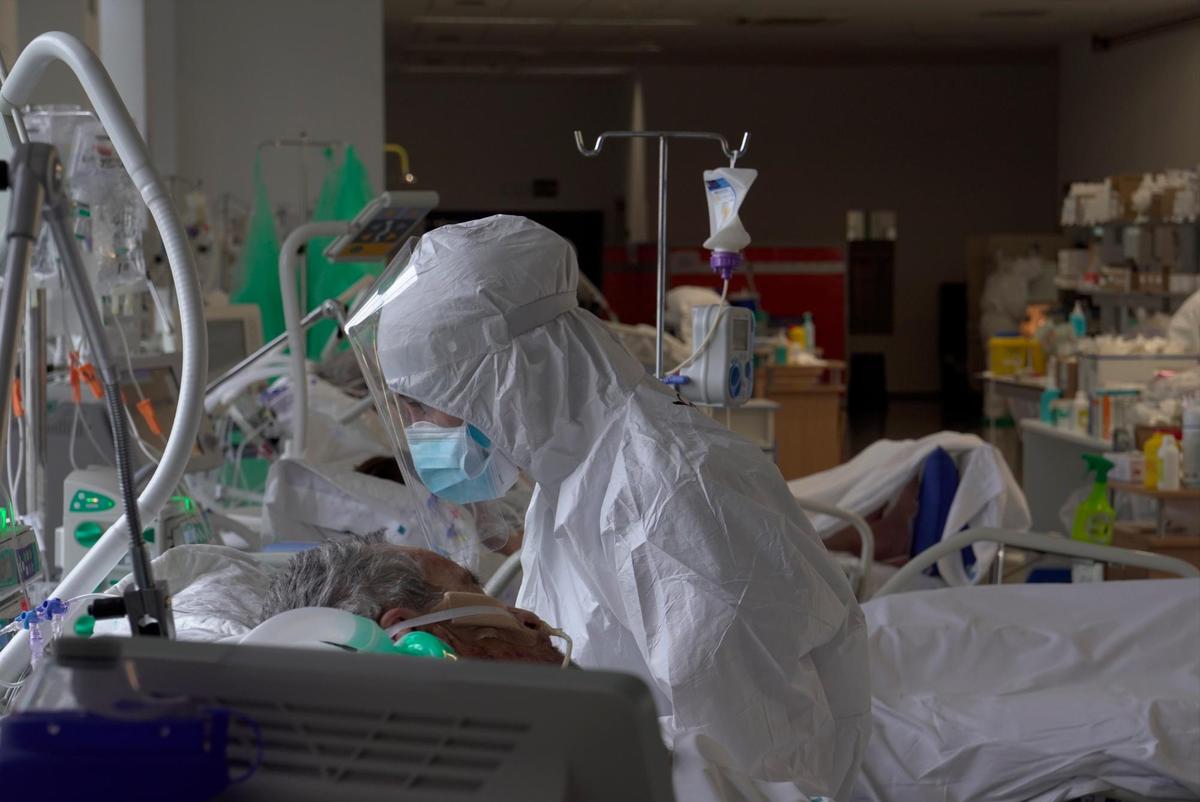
pixel 137 387
pixel 15 478
pixel 9 483
pixel 71 443
pixel 8 491
pixel 87 430
pixel 712 332
pixel 142 445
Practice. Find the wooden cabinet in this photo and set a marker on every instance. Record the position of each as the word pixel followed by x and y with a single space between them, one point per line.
pixel 1145 537
pixel 809 424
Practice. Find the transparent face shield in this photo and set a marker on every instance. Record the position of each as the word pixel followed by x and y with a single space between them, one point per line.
pixel 453 459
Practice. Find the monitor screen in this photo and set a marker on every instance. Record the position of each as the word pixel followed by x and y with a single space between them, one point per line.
pixel 226 344
pixel 741 335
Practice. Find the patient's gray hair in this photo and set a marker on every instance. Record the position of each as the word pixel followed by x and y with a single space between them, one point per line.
pixel 361 574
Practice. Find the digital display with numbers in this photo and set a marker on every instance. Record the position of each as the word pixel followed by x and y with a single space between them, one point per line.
pixel 741 335
pixel 382 227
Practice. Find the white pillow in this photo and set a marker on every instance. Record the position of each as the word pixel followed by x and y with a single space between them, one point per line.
pixel 217 592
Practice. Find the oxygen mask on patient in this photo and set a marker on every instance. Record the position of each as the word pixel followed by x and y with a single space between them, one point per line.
pixel 481 617
pixel 477 616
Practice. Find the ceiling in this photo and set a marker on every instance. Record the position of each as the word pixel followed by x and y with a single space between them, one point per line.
pixel 553 35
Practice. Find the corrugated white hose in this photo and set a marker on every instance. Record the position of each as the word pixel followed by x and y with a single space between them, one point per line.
pixel 98 86
pixel 289 259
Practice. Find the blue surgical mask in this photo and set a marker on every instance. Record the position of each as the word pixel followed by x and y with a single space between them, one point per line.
pixel 459 464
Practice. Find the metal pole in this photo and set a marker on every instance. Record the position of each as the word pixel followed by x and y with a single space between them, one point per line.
pixel 33 380
pixel 26 169
pixel 662 137
pixel 13 122
pixel 662 257
pixel 998 565
pixel 80 286
pixel 303 270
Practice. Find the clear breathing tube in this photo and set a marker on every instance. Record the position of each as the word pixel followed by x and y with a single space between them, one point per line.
pixel 398 629
pixel 17 90
pixel 439 617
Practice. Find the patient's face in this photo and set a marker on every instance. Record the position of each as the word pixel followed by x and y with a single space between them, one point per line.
pixel 532 646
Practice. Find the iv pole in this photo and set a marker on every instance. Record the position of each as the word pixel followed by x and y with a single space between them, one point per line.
pixel 663 138
pixel 302 143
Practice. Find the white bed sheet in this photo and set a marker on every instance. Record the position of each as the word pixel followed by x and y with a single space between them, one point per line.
pixel 1035 692
pixel 216 592
pixel 1038 693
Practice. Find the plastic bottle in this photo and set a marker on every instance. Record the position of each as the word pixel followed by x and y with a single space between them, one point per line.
pixel 1168 464
pixel 781 348
pixel 1094 517
pixel 810 333
pixel 796 347
pixel 1078 321
pixel 1150 452
pixel 1079 412
pixel 1191 444
pixel 726 188
pixel 1049 395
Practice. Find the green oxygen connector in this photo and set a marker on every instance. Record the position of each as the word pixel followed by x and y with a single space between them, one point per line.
pixel 85 626
pixel 423 644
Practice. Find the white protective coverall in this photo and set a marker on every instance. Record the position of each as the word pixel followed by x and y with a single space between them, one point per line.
pixel 664 544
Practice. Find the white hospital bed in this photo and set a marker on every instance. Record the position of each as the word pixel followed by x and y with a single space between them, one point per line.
pixel 1036 693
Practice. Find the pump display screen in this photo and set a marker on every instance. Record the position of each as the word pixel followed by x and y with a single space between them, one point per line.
pixel 741 335
pixel 381 236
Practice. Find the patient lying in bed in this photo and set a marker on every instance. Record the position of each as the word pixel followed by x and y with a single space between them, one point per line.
pixel 367 576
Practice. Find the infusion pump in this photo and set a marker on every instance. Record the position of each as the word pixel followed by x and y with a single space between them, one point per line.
pixel 91 504
pixel 723 373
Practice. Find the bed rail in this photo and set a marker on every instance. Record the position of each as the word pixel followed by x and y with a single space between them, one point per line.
pixel 1034 541
pixel 864 533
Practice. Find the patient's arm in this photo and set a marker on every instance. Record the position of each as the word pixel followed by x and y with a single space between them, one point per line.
pixel 891 525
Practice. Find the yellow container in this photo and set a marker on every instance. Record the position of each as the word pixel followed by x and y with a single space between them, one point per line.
pixel 1037 357
pixel 1008 355
pixel 1150 451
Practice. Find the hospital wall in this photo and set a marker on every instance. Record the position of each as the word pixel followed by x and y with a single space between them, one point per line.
pixel 23 20
pixel 957 149
pixel 249 71
pixel 221 75
pixel 483 140
pixel 1131 109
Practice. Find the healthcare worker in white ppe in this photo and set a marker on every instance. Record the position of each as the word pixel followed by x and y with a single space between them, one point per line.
pixel 662 543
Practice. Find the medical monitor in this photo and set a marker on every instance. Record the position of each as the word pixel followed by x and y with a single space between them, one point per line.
pixel 367 727
pixel 234 332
